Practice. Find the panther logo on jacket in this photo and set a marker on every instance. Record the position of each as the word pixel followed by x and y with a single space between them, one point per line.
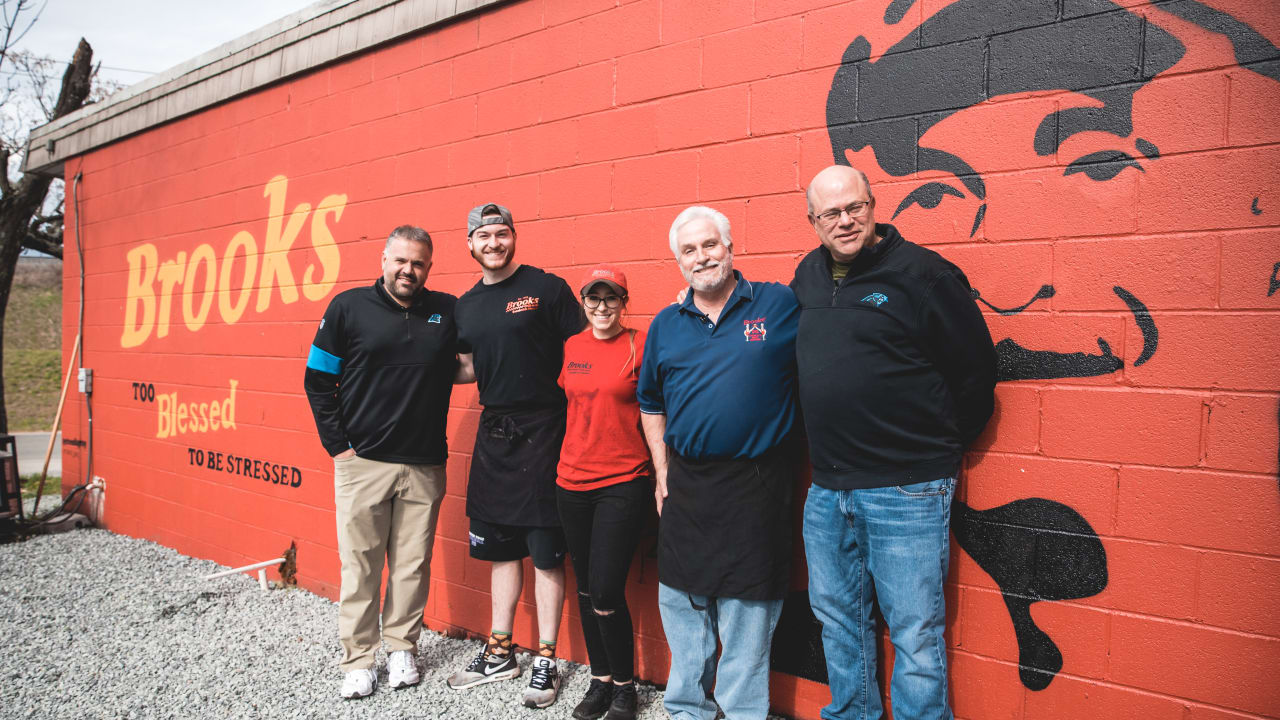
pixel 876 299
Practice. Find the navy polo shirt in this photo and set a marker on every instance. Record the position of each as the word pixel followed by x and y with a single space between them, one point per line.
pixel 728 389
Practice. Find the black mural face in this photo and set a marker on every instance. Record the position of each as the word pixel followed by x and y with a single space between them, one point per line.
pixel 1083 113
pixel 904 106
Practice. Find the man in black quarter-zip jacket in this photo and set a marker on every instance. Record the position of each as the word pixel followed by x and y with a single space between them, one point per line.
pixel 379 376
pixel 897 372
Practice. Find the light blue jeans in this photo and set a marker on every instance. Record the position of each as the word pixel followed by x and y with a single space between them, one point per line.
pixel 890 544
pixel 745 629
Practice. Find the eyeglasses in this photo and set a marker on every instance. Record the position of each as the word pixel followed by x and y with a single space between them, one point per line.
pixel 855 210
pixel 593 301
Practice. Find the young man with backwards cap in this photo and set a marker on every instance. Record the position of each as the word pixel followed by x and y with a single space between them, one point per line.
pixel 511 331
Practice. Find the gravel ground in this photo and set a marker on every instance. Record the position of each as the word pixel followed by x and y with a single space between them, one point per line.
pixel 97 625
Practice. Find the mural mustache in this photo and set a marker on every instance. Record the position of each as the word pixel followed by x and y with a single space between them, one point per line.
pixel 1014 362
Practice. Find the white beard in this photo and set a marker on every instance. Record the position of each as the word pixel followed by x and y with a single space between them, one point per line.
pixel 705 284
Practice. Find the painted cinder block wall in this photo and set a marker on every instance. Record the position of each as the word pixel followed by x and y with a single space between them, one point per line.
pixel 1106 173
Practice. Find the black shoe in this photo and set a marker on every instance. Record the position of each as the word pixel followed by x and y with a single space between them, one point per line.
pixel 623 706
pixel 595 702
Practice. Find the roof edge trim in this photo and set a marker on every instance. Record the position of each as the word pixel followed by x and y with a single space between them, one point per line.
pixel 314 36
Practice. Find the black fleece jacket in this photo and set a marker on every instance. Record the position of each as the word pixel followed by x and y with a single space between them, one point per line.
pixel 897 368
pixel 379 375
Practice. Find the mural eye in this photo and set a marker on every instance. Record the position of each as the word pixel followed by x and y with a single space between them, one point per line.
pixel 927 196
pixel 1102 166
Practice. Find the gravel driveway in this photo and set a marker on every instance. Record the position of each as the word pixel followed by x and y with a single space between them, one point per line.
pixel 97 625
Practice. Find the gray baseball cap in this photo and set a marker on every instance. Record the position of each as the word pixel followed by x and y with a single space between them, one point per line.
pixel 489 214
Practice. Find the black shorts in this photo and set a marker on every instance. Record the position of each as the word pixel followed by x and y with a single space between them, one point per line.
pixel 500 543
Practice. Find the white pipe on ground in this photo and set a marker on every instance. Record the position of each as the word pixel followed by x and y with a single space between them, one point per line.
pixel 255 566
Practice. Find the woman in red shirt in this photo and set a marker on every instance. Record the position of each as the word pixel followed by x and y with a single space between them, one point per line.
pixel 603 487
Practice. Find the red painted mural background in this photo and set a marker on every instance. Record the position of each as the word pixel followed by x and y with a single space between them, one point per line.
pixel 213 243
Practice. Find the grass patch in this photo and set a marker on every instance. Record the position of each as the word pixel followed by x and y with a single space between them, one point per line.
pixel 33 319
pixel 33 354
pixel 52 485
pixel 31 387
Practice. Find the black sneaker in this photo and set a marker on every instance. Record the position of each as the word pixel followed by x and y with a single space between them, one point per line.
pixel 485 668
pixel 595 702
pixel 623 706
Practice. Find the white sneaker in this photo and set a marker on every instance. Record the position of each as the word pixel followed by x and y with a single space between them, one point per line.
pixel 402 669
pixel 359 683
pixel 544 683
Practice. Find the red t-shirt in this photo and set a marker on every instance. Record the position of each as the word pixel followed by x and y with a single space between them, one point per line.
pixel 603 442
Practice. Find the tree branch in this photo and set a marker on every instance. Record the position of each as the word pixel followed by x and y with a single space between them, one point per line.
pixel 53 219
pixel 43 242
pixel 6 188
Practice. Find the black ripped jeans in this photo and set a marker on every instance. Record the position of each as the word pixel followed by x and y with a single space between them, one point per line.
pixel 602 529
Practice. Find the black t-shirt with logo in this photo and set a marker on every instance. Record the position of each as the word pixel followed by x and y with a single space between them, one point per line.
pixel 516 329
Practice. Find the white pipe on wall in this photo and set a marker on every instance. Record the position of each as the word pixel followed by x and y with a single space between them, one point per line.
pixel 255 566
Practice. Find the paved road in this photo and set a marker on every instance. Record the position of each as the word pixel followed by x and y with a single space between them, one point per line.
pixel 31 447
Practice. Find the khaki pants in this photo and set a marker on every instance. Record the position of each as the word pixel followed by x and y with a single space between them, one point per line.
pixel 383 509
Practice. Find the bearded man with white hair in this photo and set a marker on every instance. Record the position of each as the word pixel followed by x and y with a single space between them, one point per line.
pixel 717 394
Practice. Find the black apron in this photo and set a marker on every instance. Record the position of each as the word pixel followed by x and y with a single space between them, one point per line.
pixel 513 468
pixel 725 529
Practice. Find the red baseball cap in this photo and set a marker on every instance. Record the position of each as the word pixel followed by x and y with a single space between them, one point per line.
pixel 607 274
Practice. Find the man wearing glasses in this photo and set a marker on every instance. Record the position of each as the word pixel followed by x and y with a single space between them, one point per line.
pixel 896 375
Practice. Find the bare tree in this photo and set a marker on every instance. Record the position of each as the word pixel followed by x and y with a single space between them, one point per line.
pixel 24 220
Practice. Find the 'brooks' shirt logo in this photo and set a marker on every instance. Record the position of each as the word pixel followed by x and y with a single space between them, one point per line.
pixel 521 304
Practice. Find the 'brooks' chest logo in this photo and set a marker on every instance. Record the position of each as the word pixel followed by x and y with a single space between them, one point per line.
pixel 578 368
pixel 876 299
pixel 754 330
pixel 519 305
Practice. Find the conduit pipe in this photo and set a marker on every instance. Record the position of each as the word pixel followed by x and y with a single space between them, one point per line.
pixel 260 567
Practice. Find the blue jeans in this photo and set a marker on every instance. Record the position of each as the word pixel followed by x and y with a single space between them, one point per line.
pixel 745 628
pixel 890 544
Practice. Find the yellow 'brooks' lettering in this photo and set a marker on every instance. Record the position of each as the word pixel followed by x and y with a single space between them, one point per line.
pixel 265 269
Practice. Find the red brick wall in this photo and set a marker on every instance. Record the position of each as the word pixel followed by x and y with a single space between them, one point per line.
pixel 1128 493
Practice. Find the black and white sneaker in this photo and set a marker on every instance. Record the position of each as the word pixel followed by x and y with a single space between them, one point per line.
pixel 544 683
pixel 485 668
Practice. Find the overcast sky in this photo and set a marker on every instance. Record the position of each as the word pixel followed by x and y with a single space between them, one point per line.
pixel 134 39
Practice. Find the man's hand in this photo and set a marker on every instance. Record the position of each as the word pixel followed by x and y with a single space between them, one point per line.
pixel 655 426
pixel 680 296
pixel 660 488
pixel 349 452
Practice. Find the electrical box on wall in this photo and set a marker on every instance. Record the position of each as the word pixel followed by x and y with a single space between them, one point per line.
pixel 85 381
